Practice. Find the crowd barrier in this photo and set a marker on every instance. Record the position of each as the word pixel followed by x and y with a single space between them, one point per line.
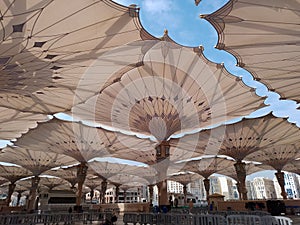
pixel 204 219
pixel 52 218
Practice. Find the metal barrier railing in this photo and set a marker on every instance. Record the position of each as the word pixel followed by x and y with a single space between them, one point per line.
pixel 203 219
pixel 53 218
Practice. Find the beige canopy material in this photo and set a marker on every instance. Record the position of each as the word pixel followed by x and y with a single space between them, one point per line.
pixel 206 166
pixel 36 162
pixel 52 183
pixel 247 136
pixel 277 157
pixel 92 182
pixel 128 180
pixel 185 179
pixel 68 174
pixel 14 123
pixel 105 169
pixel 249 167
pixel 146 172
pixel 14 173
pixel 24 184
pixel 149 157
pixel 293 167
pixel 47 46
pixel 3 181
pixel 264 38
pixel 21 189
pixel 171 90
pixel 79 141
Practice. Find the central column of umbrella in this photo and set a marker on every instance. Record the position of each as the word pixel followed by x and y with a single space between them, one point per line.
pixel 280 177
pixel 11 188
pixel 240 168
pixel 162 164
pixel 33 192
pixel 81 175
pixel 103 190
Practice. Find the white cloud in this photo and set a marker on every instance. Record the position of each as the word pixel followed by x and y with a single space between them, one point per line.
pixel 157 6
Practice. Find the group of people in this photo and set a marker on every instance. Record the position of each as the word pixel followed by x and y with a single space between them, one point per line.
pixel 175 204
pixel 112 220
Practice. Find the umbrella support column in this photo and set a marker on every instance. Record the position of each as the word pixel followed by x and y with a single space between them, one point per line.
pixel 280 178
pixel 240 168
pixel 103 190
pixel 81 175
pixel 33 192
pixel 185 194
pixel 117 193
pixel 162 164
pixel 11 188
pixel 207 187
pixel 150 193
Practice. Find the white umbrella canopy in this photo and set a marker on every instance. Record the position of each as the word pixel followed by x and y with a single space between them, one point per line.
pixel 79 141
pixel 264 38
pixel 172 89
pixel 14 173
pixel 36 162
pixel 105 169
pixel 3 181
pixel 185 178
pixel 53 182
pixel 24 184
pixel 47 46
pixel 247 136
pixel 250 168
pixel 92 181
pixel 207 166
pixel 68 174
pixel 277 156
pixel 128 180
pixel 21 189
pixel 146 172
pixel 293 167
pixel 14 123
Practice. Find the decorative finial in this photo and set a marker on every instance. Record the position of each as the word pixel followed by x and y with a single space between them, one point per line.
pixel 165 32
pixel 197 2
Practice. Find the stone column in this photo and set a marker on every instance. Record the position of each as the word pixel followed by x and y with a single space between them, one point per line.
pixel 206 182
pixel 124 194
pixel 117 193
pixel 81 175
pixel 162 164
pixel 33 192
pixel 240 168
pixel 150 193
pixel 238 185
pixel 184 195
pixel 92 194
pixel 103 190
pixel 11 188
pixel 19 197
pixel 280 178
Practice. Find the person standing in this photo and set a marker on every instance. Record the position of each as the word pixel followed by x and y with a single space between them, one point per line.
pixel 191 205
